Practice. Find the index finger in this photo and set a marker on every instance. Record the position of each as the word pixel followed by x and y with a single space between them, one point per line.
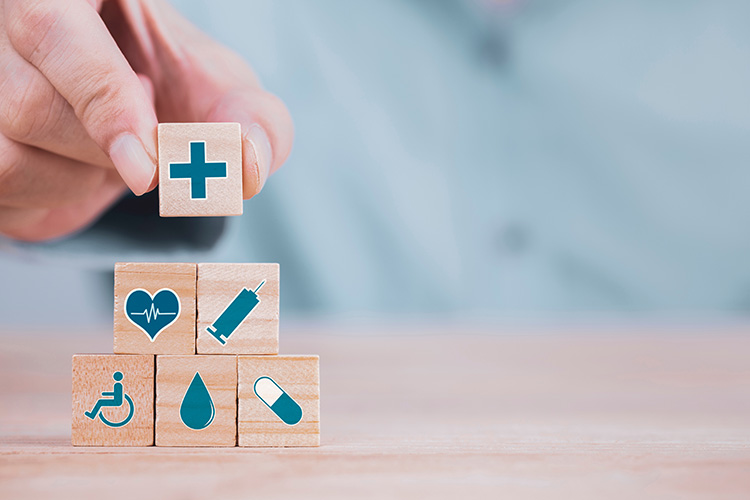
pixel 70 45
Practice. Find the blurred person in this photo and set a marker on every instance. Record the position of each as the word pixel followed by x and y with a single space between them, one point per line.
pixel 462 158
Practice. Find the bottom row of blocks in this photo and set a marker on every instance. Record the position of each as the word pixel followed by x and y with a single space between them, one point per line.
pixel 214 400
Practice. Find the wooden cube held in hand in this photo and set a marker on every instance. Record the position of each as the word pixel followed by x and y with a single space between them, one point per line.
pixel 200 169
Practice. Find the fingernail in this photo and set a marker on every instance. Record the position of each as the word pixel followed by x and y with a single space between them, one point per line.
pixel 135 166
pixel 262 147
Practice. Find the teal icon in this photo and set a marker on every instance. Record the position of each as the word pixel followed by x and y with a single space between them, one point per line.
pixel 112 399
pixel 152 314
pixel 197 409
pixel 197 170
pixel 235 313
pixel 278 400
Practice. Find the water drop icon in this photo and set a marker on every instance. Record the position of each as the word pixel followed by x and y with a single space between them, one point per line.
pixel 197 409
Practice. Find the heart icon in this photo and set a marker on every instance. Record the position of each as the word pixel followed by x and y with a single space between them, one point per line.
pixel 152 314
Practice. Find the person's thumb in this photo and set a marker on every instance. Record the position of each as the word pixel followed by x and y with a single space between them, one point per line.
pixel 267 133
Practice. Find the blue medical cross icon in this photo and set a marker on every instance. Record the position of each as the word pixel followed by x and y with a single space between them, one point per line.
pixel 197 170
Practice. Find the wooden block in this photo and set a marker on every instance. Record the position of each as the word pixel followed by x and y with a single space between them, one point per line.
pixel 294 384
pixel 131 423
pixel 220 285
pixel 196 400
pixel 154 308
pixel 200 169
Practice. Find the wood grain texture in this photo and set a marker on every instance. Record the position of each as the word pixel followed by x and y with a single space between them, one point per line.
pixel 409 411
pixel 218 285
pixel 299 377
pixel 173 377
pixel 177 338
pixel 92 375
pixel 223 144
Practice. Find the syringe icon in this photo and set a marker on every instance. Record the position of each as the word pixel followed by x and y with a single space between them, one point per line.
pixel 235 313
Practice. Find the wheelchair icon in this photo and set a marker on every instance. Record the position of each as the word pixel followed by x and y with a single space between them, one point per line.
pixel 114 398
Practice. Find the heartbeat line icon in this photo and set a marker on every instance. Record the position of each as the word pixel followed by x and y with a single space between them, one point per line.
pixel 152 313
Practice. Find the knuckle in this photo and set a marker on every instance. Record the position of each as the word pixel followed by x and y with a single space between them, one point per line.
pixel 9 167
pixel 280 112
pixel 284 126
pixel 26 109
pixel 29 24
pixel 275 107
pixel 275 103
pixel 22 224
pixel 99 100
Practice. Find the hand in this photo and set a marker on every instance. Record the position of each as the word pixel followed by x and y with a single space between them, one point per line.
pixel 82 86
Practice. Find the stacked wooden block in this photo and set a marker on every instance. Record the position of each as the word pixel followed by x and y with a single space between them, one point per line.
pixel 196 363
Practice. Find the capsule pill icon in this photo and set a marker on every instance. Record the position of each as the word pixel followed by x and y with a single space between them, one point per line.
pixel 278 400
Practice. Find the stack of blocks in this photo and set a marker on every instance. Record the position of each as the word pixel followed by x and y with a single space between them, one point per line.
pixel 196 346
pixel 196 363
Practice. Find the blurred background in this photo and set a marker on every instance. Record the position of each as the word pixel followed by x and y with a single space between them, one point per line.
pixel 469 161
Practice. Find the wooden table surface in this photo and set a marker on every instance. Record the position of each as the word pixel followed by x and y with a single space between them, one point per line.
pixel 602 413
